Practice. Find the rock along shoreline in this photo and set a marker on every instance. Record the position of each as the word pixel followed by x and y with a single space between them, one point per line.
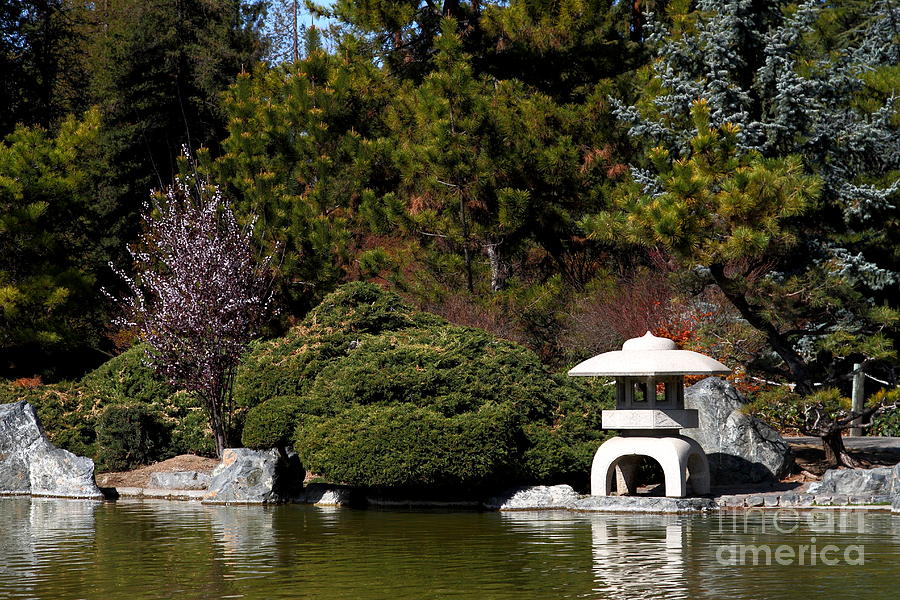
pixel 541 498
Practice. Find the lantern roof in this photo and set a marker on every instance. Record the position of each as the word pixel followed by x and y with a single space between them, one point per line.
pixel 649 356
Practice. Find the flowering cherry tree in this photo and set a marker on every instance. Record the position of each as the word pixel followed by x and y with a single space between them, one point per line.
pixel 199 295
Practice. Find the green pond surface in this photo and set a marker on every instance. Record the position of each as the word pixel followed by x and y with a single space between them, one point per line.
pixel 156 549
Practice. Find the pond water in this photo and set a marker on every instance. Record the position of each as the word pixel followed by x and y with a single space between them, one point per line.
pixel 157 549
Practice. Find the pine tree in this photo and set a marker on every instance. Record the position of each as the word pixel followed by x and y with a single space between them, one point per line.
pixel 42 78
pixel 487 167
pixel 54 244
pixel 299 153
pixel 824 301
pixel 157 70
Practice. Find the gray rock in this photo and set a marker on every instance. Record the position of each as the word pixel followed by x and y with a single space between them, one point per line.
pixel 180 480
pixel 740 448
pixel 805 500
pixel 895 505
pixel 252 477
pixel 882 480
pixel 30 464
pixel 324 494
pixel 537 497
pixel 644 504
pixel 788 500
pixel 840 499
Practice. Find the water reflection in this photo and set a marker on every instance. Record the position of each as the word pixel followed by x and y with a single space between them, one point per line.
pixel 131 550
pixel 34 530
pixel 639 556
pixel 242 530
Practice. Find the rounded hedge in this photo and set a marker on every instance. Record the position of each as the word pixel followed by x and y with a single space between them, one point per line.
pixel 272 424
pixel 403 447
pixel 129 435
pixel 385 396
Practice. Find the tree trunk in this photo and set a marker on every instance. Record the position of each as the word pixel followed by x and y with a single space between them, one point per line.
pixel 217 423
pixel 295 45
pixel 220 444
pixel 835 453
pixel 451 9
pixel 466 254
pixel 795 363
pixel 499 268
pixel 637 21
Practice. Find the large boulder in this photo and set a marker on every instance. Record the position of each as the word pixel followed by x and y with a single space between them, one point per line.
pixel 180 480
pixel 539 497
pixel 325 494
pixel 741 448
pixel 882 481
pixel 248 476
pixel 30 464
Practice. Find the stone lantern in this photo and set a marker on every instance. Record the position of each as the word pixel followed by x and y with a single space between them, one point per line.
pixel 649 373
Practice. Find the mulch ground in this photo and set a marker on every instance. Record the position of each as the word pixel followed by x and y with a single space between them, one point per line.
pixel 141 477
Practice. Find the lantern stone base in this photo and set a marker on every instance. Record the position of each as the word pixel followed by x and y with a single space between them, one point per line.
pixel 682 460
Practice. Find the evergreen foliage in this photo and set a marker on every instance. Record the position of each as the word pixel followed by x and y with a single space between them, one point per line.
pixel 53 243
pixel 272 426
pixel 128 436
pixel 38 59
pixel 114 89
pixel 298 155
pixel 169 422
pixel 455 405
pixel 156 70
pixel 484 166
pixel 398 446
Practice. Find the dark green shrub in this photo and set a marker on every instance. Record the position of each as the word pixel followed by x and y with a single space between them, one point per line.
pixel 366 308
pixel 181 423
pixel 449 369
pixel 272 423
pixel 126 377
pixel 363 356
pixel 288 365
pixel 562 452
pixel 886 424
pixel 403 446
pixel 71 413
pixel 188 426
pixel 129 435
